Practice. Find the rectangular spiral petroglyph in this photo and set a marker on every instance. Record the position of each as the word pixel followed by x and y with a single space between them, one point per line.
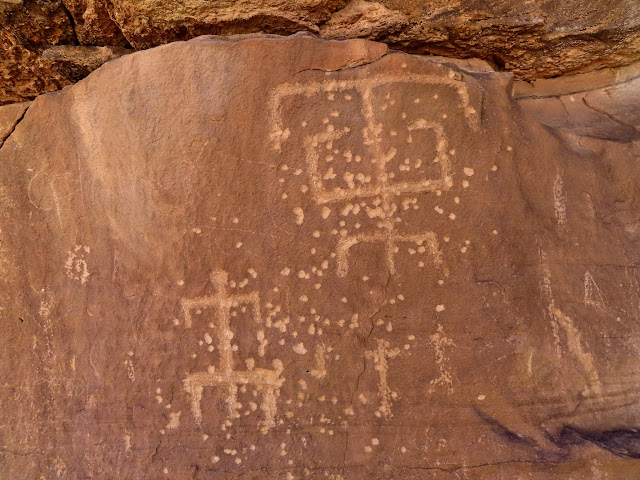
pixel 379 185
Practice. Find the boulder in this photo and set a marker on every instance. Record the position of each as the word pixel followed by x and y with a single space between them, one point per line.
pixel 534 39
pixel 291 258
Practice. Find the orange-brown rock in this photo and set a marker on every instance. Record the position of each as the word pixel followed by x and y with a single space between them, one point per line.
pixel 602 104
pixel 291 258
pixel 534 39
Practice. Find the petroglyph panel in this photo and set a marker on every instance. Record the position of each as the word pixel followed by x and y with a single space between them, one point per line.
pixel 312 260
pixel 355 162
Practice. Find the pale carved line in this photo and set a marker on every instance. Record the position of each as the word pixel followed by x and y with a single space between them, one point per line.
pixel 278 133
pixel 266 381
pixel 380 357
pixel 383 187
pixel 390 239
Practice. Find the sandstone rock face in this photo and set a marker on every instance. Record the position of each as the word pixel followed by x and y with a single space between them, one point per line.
pixel 535 39
pixel 602 104
pixel 10 116
pixel 290 258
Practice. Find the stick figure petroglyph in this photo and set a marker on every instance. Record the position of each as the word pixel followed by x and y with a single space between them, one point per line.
pixel 380 357
pixel 379 187
pixel 267 382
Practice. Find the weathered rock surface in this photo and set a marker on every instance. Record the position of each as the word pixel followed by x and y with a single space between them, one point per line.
pixel 318 260
pixel 534 39
pixel 10 116
pixel 601 104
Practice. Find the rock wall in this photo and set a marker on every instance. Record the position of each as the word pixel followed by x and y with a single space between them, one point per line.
pixel 291 258
pixel 48 44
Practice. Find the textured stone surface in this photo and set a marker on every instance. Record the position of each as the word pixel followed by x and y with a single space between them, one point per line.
pixel 601 104
pixel 534 39
pixel 10 116
pixel 27 30
pixel 318 260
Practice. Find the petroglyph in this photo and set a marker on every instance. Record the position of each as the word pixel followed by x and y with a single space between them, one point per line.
pixel 365 87
pixel 390 240
pixel 267 382
pixel 440 342
pixel 131 372
pixel 573 336
pixel 574 344
pixel 559 202
pixel 592 294
pixel 383 186
pixel 380 357
pixel 76 264
pixel 174 420
pixel 320 370
pixel 545 289
pixel 222 302
pixel 380 186
pixel 47 331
